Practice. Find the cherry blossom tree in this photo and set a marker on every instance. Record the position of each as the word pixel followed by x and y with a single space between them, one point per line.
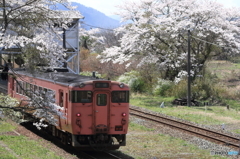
pixel 33 27
pixel 158 33
pixel 35 24
pixel 90 39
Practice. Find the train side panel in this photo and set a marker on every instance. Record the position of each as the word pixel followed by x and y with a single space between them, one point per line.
pixel 30 84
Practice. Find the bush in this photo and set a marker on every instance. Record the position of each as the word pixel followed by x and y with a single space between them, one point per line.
pixel 179 90
pixel 136 85
pixel 162 87
pixel 134 81
pixel 202 88
pixel 207 87
pixel 87 73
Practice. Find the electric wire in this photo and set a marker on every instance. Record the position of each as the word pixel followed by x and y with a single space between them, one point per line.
pixel 97 27
pixel 113 30
pixel 210 43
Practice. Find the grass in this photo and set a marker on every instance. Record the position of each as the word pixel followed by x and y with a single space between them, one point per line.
pixel 233 103
pixel 153 145
pixel 222 65
pixel 22 146
pixel 5 127
pixel 223 69
pixel 5 154
pixel 237 131
pixel 135 127
pixel 209 115
pixel 26 148
pixel 149 101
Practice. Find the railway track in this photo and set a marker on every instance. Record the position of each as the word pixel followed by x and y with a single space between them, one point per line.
pixel 99 155
pixel 217 137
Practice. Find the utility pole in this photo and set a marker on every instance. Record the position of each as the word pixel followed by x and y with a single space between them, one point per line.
pixel 189 70
pixel 5 25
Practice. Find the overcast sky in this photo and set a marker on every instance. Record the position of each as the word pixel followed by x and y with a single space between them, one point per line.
pixel 108 6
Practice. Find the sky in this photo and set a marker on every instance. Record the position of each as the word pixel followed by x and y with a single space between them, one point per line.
pixel 108 6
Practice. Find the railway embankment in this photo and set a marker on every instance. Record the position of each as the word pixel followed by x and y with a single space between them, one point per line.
pixel 17 142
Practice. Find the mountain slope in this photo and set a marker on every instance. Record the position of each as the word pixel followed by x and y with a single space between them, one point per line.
pixel 93 18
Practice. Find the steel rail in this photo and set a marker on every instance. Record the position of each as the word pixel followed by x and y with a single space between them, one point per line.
pixel 218 137
pixel 99 155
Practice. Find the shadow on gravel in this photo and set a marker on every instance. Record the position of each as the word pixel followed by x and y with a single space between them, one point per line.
pixel 67 148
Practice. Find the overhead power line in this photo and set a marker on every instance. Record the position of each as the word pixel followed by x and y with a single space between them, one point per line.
pixel 210 42
pixel 96 26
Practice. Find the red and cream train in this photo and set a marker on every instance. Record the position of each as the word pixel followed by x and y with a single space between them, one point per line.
pixel 96 110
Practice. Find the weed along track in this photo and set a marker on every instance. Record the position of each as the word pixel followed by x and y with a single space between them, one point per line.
pixel 217 137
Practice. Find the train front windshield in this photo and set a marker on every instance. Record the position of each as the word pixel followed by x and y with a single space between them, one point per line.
pixel 86 96
pixel 81 96
pixel 120 97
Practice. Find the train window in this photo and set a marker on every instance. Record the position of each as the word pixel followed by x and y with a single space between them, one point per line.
pixel 44 91
pixel 40 89
pixel 28 89
pixel 24 88
pixel 17 86
pixel 101 99
pixel 81 96
pixel 20 86
pixel 31 87
pixel 70 95
pixel 120 96
pixel 27 86
pixel 61 98
pixel 35 88
pixel 54 94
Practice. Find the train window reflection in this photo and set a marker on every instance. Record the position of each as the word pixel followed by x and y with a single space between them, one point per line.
pixel 81 96
pixel 101 99
pixel 120 96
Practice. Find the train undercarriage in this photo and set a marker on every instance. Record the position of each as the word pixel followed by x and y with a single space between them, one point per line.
pixel 98 142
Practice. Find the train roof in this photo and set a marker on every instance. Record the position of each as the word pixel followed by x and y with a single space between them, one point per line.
pixel 60 76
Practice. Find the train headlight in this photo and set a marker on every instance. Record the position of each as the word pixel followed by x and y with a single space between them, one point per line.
pixel 81 85
pixel 121 85
pixel 124 114
pixel 78 114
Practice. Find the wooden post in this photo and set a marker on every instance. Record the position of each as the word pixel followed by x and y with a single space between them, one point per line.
pixel 189 71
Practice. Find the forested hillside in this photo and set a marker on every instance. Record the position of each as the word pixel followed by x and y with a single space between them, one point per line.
pixel 93 18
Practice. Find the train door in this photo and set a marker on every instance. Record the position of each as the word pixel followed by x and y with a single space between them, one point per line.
pixel 66 108
pixel 101 108
pixel 60 101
